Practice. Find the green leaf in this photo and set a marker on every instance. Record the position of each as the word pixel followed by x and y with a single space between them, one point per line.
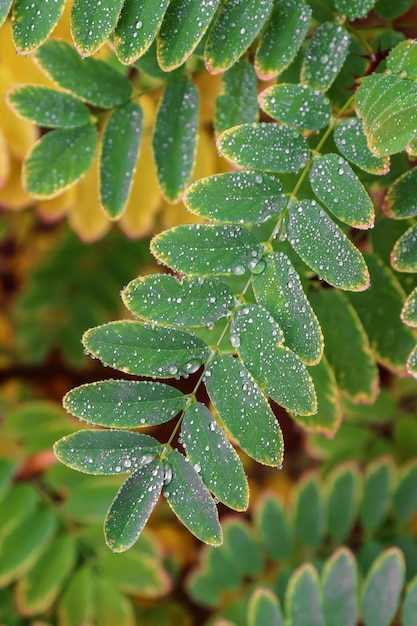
pixel 90 79
pixel 412 362
pixel 309 512
pixel 39 588
pixel 387 9
pixel 58 160
pixel 5 6
pixel 354 9
pixel 405 497
pixel 324 247
pixel 184 25
pixel 351 141
pixel 76 606
pixel 329 412
pixel 236 26
pixel 339 589
pixel 400 201
pixel 264 609
pixel 403 59
pixel 106 451
pixel 33 22
pixel 278 371
pixel 190 500
pixel 88 499
pixel 238 102
pixel 48 107
pixel 343 492
pixel 346 343
pixel 243 548
pixel 379 310
pixel 7 468
pixel 124 403
pixel 137 28
pixel 214 458
pixel 325 56
pixel 111 606
pixel 143 350
pixel 283 149
pixel 387 105
pixel 302 597
pixel 278 288
pixel 377 492
pixel 296 105
pixel 175 136
pixel 337 186
pixel 135 573
pixel 382 588
pixel 16 505
pixel 201 250
pixel 409 608
pixel 274 529
pixel 162 299
pixel 24 543
pixel 236 197
pixel 282 37
pixel 92 22
pixel 119 154
pixel 244 410
pixel 409 310
pixel 132 506
pixel 404 253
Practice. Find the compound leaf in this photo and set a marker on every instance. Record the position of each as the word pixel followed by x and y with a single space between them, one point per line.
pixel 351 141
pixel 324 247
pixel 296 105
pixel 92 22
pixel 190 500
pixel 382 588
pixel 244 410
pixel 143 350
pixel 132 506
pixel 325 56
pixel 33 22
pixel 238 102
pixel 213 456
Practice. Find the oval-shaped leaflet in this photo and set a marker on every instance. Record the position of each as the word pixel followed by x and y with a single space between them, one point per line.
pixel 236 26
pixel 238 101
pixel 412 362
pixel 269 147
pixel 403 59
pixel 378 486
pixel 244 410
pixel 191 501
pixel 92 22
pixel 184 25
pixel 346 343
pixel 236 197
pixel 33 21
pixel 309 512
pixel 379 310
pixel 329 412
pixel 339 584
pixel 404 503
pixel 106 451
pixel 48 107
pixel 163 299
pixel 343 486
pixel 325 56
pixel 120 145
pixel 175 136
pixel 132 506
pixel 124 403
pixel 274 528
pixel 5 6
pixel 144 350
pixel 400 201
pixel 382 588
pixel 214 458
pixel 264 608
pixel 139 572
pixel 58 160
pixel 278 371
pixel 110 603
pixel 39 588
pixel 137 27
pixel 282 37
pixel 324 247
pixel 404 253
pixel 354 9
pixel 350 139
pixel 409 310
pixel 76 605
pixel 409 608
pixel 337 186
pixel 387 105
pixel 205 249
pixel 296 105
pixel 278 288
pixel 90 79
pixel 302 597
pixel 17 504
pixel 387 10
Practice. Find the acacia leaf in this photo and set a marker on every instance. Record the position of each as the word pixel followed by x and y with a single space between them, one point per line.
pixel 382 588
pixel 33 22
pixel 351 141
pixel 92 22
pixel 296 105
pixel 400 201
pixel 264 608
pixel 302 597
pixel 238 103
pixel 340 606
pixel 404 253
pixel 325 56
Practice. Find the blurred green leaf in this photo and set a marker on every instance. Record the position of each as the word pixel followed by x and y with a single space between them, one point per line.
pixel 302 598
pixel 382 589
pixel 405 496
pixel 309 512
pixel 274 529
pixel 339 589
pixel 264 608
pixel 329 411
pixel 135 574
pixel 77 605
pixel 343 493
pixel 377 493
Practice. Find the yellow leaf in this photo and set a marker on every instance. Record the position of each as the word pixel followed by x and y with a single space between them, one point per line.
pixel 86 217
pixel 23 68
pixel 12 194
pixel 4 160
pixel 53 209
pixel 19 134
